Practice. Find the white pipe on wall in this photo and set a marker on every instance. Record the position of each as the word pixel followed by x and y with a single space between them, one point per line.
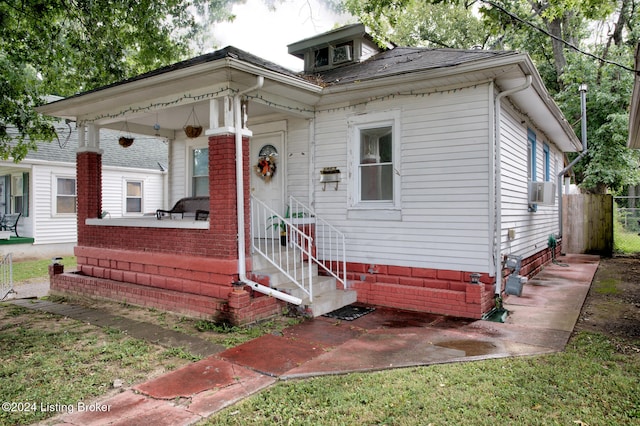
pixel 242 268
pixel 498 181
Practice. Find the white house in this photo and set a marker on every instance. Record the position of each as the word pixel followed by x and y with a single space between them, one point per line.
pixel 42 188
pixel 403 176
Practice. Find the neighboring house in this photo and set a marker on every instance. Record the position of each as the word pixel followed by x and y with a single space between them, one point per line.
pixel 42 188
pixel 433 164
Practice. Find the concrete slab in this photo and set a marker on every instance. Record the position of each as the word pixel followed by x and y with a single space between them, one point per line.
pixel 129 408
pixel 272 355
pixel 209 373
pixel 376 351
pixel 212 401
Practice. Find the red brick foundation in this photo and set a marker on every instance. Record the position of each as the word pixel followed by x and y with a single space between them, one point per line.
pixel 237 307
pixel 438 291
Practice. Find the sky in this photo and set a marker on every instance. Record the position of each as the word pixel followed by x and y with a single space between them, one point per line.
pixel 267 33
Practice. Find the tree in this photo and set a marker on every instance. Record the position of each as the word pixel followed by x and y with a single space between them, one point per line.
pixel 559 37
pixel 62 47
pixel 417 23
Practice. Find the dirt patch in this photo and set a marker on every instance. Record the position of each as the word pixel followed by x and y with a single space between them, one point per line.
pixel 612 306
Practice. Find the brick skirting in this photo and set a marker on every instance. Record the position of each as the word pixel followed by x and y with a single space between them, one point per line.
pixel 438 291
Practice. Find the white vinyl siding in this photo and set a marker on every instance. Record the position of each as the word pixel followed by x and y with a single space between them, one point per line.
pixel 114 199
pixel 47 225
pixel 298 160
pixel 443 172
pixel 532 229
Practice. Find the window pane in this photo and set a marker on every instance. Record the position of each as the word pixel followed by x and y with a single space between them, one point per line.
pixel 134 189
pixel 376 164
pixel 66 205
pixel 66 186
pixel 200 186
pixel 201 162
pixel 376 183
pixel 134 205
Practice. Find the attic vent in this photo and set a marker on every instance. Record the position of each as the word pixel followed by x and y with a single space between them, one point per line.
pixel 341 54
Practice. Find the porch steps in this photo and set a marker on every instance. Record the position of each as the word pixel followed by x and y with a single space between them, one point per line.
pixel 326 297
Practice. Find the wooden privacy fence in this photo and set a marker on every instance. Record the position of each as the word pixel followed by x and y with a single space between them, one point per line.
pixel 587 224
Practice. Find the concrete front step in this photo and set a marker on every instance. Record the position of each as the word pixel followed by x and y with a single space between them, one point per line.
pixel 326 297
pixel 320 285
pixel 330 301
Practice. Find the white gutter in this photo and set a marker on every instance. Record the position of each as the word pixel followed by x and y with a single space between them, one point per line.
pixel 242 268
pixel 498 182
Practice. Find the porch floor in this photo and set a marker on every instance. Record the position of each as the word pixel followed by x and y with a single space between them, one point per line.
pixel 540 321
pixel 17 240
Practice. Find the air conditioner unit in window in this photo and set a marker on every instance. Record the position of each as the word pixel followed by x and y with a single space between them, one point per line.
pixel 341 54
pixel 542 193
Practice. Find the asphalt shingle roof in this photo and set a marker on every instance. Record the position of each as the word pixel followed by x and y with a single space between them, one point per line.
pixel 403 60
pixel 145 153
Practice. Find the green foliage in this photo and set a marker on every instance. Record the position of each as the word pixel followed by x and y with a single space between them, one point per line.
pixel 60 48
pixel 539 28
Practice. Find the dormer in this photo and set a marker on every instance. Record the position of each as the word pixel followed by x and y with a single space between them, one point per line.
pixel 343 46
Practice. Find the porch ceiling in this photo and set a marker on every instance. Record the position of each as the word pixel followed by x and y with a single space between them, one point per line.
pixel 168 98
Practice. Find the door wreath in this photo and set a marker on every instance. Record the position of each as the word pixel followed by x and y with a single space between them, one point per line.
pixel 266 167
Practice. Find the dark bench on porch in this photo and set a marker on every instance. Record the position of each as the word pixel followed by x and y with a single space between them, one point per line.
pixel 9 222
pixel 190 206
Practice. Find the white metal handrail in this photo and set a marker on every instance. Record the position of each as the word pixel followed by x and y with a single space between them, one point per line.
pixel 292 258
pixel 330 250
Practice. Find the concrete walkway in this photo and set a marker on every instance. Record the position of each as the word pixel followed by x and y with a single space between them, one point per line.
pixel 540 321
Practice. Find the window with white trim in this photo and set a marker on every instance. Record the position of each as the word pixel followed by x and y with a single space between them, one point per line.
pixel 200 172
pixel 375 160
pixel 134 196
pixel 66 195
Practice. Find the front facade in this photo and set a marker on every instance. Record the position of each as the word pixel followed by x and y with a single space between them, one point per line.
pixel 424 161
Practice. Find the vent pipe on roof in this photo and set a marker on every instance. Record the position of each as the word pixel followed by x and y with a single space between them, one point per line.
pixel 583 135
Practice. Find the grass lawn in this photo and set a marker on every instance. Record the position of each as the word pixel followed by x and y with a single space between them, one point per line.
pixel 35 269
pixel 589 384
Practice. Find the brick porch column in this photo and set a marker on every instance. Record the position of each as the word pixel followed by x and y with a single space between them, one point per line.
pixel 222 193
pixel 89 189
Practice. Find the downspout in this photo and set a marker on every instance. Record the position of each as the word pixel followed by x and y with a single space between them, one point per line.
pixel 498 182
pixel 242 264
pixel 583 131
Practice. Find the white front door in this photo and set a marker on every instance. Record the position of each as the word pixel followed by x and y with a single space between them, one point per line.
pixel 267 186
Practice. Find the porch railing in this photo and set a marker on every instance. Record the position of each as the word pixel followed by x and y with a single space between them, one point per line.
pixel 297 253
pixel 6 276
pixel 330 243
